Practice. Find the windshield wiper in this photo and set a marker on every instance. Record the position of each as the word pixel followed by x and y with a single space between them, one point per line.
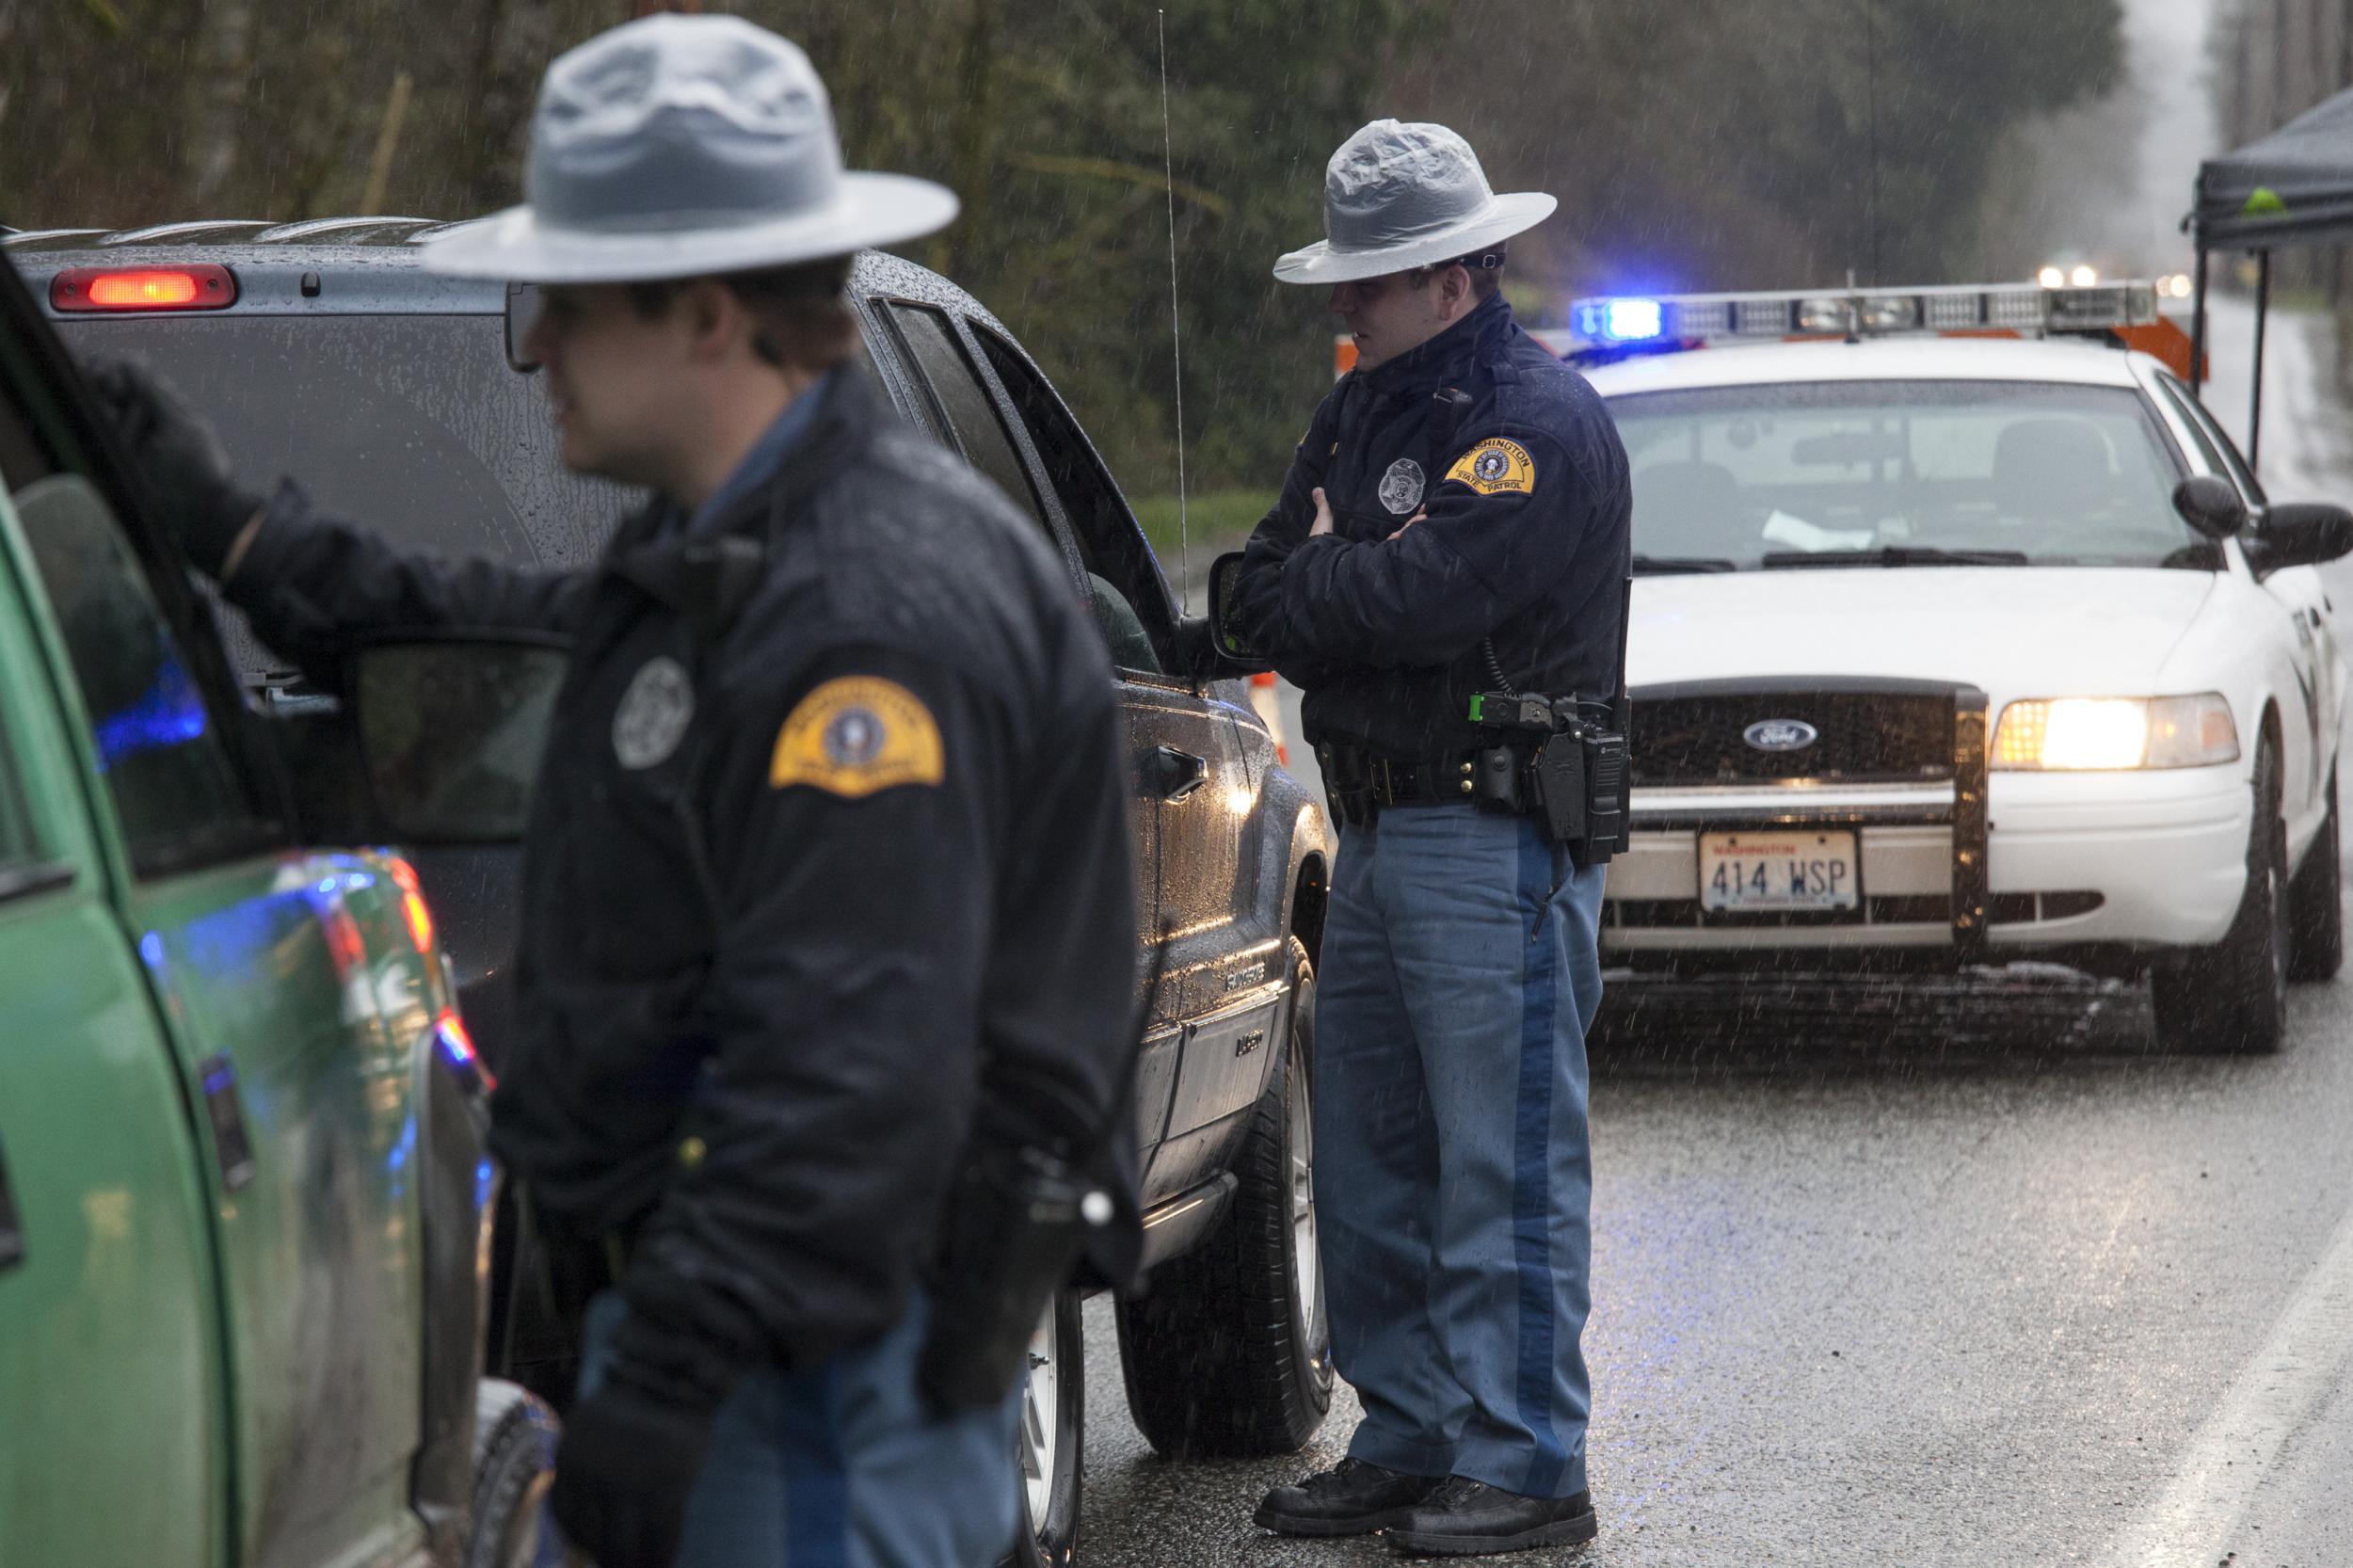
pixel 1893 556
pixel 1657 565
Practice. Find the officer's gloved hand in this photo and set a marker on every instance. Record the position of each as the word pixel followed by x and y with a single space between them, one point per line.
pixel 623 1471
pixel 190 488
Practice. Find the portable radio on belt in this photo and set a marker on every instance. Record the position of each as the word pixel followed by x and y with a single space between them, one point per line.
pixel 1577 769
pixel 1575 773
pixel 1015 1224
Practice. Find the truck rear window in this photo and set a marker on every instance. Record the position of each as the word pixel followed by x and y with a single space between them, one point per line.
pixel 413 425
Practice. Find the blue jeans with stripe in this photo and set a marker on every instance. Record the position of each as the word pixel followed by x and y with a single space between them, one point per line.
pixel 1453 1170
pixel 842 1465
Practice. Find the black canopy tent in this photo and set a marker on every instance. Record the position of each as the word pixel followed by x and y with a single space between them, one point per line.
pixel 2292 188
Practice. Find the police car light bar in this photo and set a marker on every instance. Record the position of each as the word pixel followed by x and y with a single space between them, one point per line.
pixel 1670 320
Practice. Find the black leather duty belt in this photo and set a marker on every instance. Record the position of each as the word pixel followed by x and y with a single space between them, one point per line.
pixel 1360 783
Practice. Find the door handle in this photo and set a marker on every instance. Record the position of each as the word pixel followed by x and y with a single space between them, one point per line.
pixel 1176 773
pixel 232 1149
pixel 11 1236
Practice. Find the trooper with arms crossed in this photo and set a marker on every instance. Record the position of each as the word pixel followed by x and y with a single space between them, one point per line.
pixel 1455 523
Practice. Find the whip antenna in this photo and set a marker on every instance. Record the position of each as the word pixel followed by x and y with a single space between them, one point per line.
pixel 1176 327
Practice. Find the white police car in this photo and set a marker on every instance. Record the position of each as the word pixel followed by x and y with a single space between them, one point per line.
pixel 1980 647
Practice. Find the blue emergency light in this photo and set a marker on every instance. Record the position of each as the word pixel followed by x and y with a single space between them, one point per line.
pixel 1621 320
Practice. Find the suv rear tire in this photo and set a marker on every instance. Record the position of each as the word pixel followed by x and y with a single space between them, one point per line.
pixel 1229 1352
pixel 514 1462
pixel 2316 902
pixel 2231 999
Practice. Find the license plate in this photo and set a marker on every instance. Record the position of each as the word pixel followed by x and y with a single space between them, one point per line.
pixel 1777 871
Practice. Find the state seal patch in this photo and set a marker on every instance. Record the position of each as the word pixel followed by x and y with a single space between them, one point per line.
pixel 1401 486
pixel 653 713
pixel 858 734
pixel 1496 465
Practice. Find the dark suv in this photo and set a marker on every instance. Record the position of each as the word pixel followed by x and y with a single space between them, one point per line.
pixel 321 350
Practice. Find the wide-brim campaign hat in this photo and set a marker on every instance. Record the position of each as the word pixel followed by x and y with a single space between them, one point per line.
pixel 680 147
pixel 1400 196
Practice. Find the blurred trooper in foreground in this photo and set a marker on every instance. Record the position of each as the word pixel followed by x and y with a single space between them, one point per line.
pixel 1455 523
pixel 827 952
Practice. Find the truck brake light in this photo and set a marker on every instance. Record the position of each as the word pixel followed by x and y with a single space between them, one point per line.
pixel 146 288
pixel 457 1046
pixel 413 906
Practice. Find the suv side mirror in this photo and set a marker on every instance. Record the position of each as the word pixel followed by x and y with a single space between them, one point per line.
pixel 450 733
pixel 2300 533
pixel 1226 634
pixel 2210 504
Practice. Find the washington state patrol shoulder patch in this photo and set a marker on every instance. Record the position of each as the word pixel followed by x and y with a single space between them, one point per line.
pixel 856 734
pixel 1495 466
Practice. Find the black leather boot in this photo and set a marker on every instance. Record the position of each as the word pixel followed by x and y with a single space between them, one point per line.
pixel 1469 1518
pixel 1351 1498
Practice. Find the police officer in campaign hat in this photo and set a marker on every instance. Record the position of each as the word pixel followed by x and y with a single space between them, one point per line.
pixel 1445 576
pixel 826 968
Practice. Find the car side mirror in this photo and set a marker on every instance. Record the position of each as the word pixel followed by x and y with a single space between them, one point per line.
pixel 2301 534
pixel 2210 506
pixel 1197 655
pixel 1233 647
pixel 451 732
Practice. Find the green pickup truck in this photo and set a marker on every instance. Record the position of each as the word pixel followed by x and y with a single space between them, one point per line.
pixel 242 1181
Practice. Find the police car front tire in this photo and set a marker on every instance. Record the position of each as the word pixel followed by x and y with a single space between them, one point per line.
pixel 2231 999
pixel 1229 1354
pixel 2316 902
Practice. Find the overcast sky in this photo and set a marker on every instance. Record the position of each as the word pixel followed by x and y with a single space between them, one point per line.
pixel 2165 42
pixel 2107 182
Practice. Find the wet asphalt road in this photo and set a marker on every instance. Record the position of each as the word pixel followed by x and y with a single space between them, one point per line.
pixel 1980 1279
pixel 1964 1272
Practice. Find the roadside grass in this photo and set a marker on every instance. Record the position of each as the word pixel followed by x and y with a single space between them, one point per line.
pixel 1213 517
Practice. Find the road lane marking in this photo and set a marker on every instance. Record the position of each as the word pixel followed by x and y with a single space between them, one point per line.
pixel 2275 1398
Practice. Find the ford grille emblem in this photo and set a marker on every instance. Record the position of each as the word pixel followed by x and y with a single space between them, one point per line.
pixel 1781 734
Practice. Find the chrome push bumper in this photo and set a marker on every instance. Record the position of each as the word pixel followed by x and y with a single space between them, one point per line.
pixel 1922 848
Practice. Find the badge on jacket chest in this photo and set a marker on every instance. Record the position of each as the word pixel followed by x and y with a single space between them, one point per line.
pixel 653 714
pixel 1401 486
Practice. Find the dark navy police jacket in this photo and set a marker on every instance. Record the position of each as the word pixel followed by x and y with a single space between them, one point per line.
pixel 1527 541
pixel 811 890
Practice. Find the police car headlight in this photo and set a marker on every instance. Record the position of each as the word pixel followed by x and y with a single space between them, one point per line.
pixel 2079 733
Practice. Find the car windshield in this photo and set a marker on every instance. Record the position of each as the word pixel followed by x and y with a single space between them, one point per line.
pixel 1900 474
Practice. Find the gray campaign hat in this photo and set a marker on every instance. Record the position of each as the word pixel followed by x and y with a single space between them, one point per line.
pixel 1400 196
pixel 684 146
